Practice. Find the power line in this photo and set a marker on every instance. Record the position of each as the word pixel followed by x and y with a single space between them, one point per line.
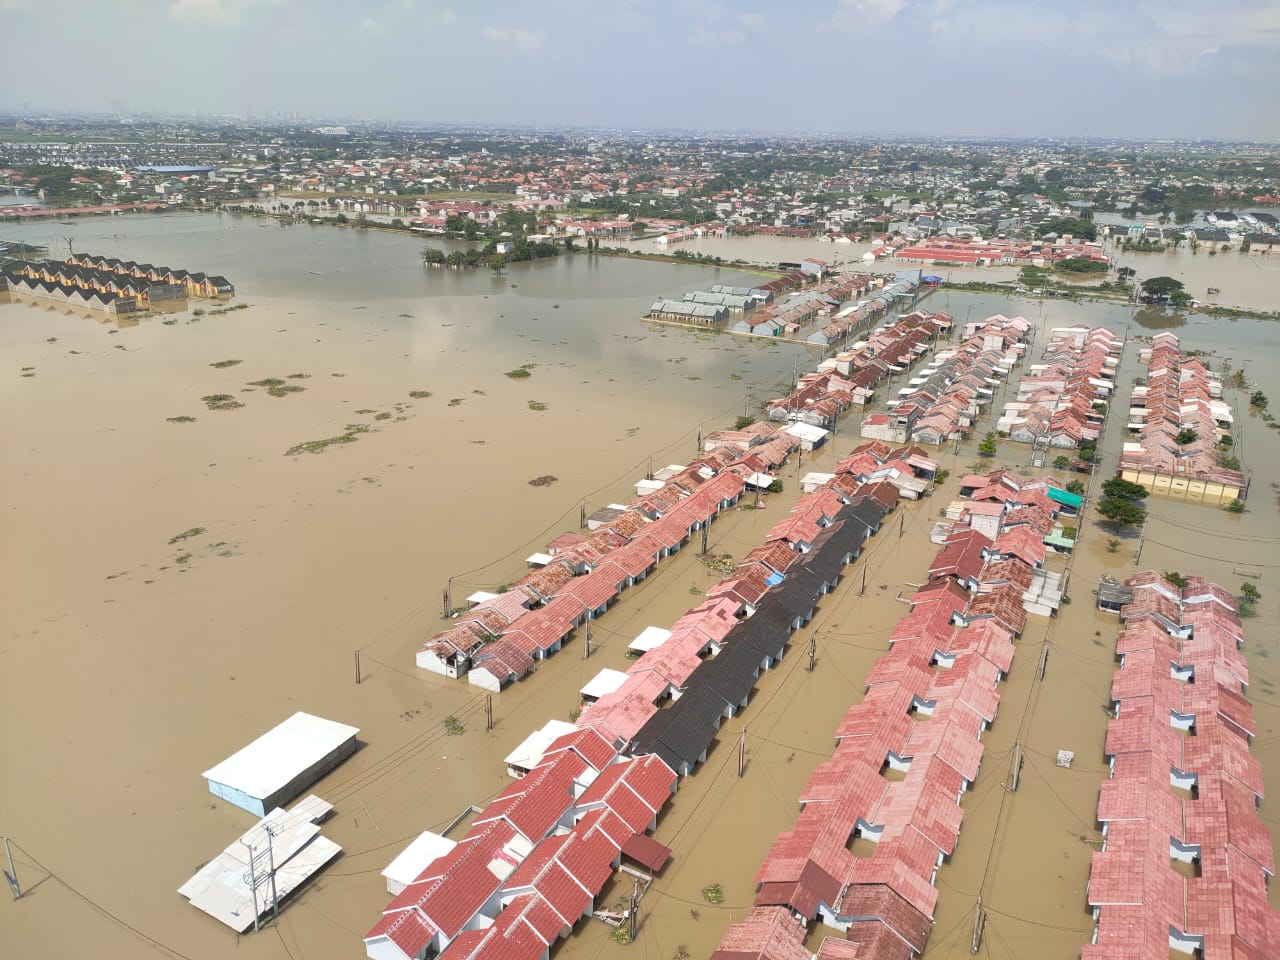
pixel 115 918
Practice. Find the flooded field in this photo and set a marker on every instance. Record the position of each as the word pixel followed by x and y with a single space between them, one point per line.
pixel 129 663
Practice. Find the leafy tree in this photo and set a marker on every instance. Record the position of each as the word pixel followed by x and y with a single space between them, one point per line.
pixel 1177 579
pixel 1061 462
pixel 987 448
pixel 1076 487
pixel 1081 265
pixel 1185 436
pixel 433 255
pixel 1121 513
pixel 1250 592
pixel 1235 506
pixel 1229 463
pixel 1081 229
pixel 1161 286
pixel 1124 489
pixel 1258 400
pixel 496 262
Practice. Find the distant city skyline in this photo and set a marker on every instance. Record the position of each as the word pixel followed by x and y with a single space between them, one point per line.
pixel 1146 69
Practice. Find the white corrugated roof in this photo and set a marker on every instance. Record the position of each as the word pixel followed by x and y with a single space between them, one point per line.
pixel 529 754
pixel 280 754
pixel 417 856
pixel 606 681
pixel 649 638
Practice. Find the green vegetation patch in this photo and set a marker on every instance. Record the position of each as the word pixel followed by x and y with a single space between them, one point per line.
pixel 350 435
pixel 537 406
pixel 519 373
pixel 420 394
pixel 223 364
pixel 277 387
pixel 221 401
pixel 712 893
pixel 180 419
pixel 187 534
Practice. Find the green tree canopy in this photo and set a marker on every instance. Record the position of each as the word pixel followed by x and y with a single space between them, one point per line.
pixel 1161 286
pixel 1080 229
pixel 1123 489
pixel 1121 513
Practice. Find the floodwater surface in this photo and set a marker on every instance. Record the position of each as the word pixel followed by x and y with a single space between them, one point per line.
pixel 130 663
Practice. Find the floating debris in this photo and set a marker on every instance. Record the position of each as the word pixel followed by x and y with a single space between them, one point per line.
pixel 545 480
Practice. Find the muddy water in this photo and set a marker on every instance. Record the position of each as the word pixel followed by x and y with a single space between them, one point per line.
pixel 121 680
pixel 1248 281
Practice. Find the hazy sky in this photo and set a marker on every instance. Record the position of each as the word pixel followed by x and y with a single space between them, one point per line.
pixel 1140 68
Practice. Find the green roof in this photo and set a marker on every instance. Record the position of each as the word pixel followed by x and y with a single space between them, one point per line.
pixel 1057 540
pixel 1065 498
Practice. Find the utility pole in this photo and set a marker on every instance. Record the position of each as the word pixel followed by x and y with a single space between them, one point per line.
pixel 271 863
pixel 635 905
pixel 704 539
pixel 253 884
pixel 488 713
pixel 586 650
pixel 863 589
pixel 742 753
pixel 582 515
pixel 813 649
pixel 1142 536
pixel 979 920
pixel 902 525
pixel 1016 772
pixel 357 666
pixel 12 873
pixel 700 438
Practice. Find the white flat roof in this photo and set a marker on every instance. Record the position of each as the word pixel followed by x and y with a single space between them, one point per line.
pixel 817 477
pixel 480 596
pixel 529 753
pixel 280 754
pixel 606 681
pixel 649 638
pixel 805 431
pixel 417 856
pixel 539 559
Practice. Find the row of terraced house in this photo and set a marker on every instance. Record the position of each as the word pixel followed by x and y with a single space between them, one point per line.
pixel 1062 401
pixel 142 290
pixel 946 399
pixel 536 858
pixel 1180 394
pixel 1186 860
pixel 851 377
pixel 195 284
pixel 882 815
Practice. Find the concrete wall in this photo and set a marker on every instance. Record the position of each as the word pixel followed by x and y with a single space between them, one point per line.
pixel 1183 488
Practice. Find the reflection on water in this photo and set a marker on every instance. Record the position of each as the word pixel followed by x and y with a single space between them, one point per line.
pixel 1155 318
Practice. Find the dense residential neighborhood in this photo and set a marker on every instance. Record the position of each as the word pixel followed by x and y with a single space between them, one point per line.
pixel 937 201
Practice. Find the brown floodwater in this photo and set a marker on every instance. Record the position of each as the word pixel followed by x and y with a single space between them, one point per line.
pixel 1250 281
pixel 124 672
